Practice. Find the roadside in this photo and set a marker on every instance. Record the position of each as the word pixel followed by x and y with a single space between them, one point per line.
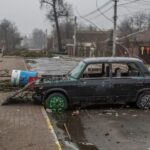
pixel 22 126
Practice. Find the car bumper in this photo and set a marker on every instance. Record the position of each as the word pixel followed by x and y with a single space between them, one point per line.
pixel 37 98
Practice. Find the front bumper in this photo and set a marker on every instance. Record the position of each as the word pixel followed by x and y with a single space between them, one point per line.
pixel 37 98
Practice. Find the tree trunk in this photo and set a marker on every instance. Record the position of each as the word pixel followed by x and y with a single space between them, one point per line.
pixel 57 27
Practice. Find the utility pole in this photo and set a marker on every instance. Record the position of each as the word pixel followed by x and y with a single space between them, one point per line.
pixel 54 38
pixel 115 28
pixel 46 43
pixel 74 37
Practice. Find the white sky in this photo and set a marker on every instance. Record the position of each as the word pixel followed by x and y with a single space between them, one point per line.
pixel 27 15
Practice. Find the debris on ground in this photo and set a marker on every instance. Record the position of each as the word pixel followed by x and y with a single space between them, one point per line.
pixel 4 73
pixel 75 113
pixel 87 144
pixel 5 86
pixel 124 114
pixel 67 131
pixel 56 57
pixel 107 134
pixel 109 111
pixel 24 94
pixel 116 114
pixel 48 110
pixel 134 115
pixel 127 106
pixel 118 142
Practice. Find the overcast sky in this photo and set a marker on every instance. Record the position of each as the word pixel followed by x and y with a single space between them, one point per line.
pixel 27 15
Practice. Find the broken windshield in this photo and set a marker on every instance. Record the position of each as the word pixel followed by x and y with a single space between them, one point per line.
pixel 77 70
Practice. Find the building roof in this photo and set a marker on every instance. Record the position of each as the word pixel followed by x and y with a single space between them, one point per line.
pixel 111 59
pixel 142 36
pixel 92 36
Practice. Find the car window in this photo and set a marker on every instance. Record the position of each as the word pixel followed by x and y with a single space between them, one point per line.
pixel 125 70
pixel 77 70
pixel 96 71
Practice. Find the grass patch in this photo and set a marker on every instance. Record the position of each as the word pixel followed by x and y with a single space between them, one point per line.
pixel 29 54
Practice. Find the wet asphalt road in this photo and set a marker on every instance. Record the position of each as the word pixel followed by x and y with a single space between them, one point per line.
pixel 104 128
pixel 100 128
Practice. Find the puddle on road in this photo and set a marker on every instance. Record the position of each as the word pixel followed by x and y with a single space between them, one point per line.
pixel 73 131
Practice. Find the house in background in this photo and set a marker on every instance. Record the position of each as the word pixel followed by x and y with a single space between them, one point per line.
pixel 139 46
pixel 89 43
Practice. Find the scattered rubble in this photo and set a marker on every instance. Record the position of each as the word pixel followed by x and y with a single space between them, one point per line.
pixel 116 114
pixel 75 113
pixel 4 73
pixel 134 115
pixel 48 110
pixel 107 134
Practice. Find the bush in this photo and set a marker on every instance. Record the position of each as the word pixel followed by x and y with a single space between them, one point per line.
pixel 29 54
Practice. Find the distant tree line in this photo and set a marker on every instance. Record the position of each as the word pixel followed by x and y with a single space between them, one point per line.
pixel 135 23
pixel 10 37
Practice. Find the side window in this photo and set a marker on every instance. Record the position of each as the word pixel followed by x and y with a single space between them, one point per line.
pixel 96 71
pixel 119 70
pixel 125 70
pixel 134 71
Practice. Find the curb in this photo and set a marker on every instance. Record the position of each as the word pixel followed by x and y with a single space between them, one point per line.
pixel 51 129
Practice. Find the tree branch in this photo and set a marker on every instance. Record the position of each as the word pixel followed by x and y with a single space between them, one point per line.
pixel 46 2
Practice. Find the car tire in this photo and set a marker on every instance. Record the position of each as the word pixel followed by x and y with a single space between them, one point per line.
pixel 143 101
pixel 56 102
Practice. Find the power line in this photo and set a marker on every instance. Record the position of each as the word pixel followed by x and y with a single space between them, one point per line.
pixel 107 10
pixel 102 12
pixel 128 2
pixel 89 21
pixel 94 11
pixel 129 35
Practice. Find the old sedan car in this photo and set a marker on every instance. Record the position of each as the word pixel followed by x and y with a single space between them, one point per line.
pixel 104 80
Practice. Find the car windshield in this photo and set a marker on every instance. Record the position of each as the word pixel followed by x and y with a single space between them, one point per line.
pixel 77 70
pixel 148 67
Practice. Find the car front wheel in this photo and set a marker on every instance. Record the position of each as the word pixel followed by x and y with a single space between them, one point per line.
pixel 56 102
pixel 143 101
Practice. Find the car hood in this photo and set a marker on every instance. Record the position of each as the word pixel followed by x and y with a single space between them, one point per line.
pixel 55 80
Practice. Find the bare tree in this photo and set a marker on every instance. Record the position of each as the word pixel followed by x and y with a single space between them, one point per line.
pixel 56 9
pixel 134 23
pixel 9 34
pixel 129 29
pixel 38 39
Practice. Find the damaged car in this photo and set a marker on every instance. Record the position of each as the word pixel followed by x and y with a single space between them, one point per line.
pixel 101 80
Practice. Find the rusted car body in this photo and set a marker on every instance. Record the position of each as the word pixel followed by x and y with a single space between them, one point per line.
pixel 106 80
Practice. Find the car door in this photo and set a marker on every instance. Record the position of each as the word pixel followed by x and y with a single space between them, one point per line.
pixel 126 85
pixel 96 86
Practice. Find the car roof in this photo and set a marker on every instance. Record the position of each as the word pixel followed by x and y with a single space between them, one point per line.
pixel 111 59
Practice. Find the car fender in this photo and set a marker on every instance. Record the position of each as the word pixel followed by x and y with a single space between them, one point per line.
pixel 55 90
pixel 141 91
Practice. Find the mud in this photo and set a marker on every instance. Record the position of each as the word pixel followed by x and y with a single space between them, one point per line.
pixel 101 128
pixel 75 138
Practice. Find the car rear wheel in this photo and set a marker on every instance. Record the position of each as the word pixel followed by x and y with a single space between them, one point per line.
pixel 143 101
pixel 56 102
